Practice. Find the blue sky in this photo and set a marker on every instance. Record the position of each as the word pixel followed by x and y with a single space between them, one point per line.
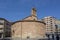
pixel 13 10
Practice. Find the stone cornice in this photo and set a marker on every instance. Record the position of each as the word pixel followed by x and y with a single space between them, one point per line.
pixel 28 21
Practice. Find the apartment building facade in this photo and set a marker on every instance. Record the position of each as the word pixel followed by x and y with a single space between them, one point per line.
pixel 50 25
pixel 58 27
pixel 5 28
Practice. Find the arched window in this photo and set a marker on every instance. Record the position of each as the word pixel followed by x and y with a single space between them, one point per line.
pixel 28 37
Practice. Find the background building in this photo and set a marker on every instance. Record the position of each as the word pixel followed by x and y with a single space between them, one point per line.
pixel 58 24
pixel 58 28
pixel 5 28
pixel 50 25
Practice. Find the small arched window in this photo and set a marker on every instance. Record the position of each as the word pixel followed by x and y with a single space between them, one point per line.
pixel 28 37
pixel 13 31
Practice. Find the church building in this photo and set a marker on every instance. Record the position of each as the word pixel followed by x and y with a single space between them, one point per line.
pixel 28 28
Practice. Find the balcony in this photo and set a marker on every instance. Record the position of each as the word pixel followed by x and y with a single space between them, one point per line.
pixel 1 31
pixel 1 26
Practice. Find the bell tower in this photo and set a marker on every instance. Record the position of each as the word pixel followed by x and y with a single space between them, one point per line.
pixel 33 12
pixel 33 15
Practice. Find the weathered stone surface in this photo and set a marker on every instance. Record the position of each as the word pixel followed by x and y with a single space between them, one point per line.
pixel 28 29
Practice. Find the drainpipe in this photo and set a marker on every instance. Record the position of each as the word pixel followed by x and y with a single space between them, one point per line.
pixel 21 30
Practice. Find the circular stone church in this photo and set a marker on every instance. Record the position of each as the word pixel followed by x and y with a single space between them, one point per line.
pixel 28 28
